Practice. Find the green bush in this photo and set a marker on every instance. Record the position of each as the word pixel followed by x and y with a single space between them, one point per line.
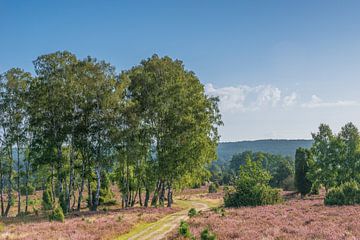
pixel 253 196
pixel 207 235
pixel 252 188
pixel 30 190
pixel 47 200
pixel 192 212
pixel 57 215
pixel 345 194
pixel 184 229
pixel 213 187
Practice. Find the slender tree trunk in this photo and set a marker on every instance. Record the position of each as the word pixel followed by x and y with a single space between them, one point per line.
pixel 162 195
pixel 140 197
pixel 155 197
pixel 60 177
pixel 9 200
pixel 52 181
pixel 169 197
pixel 98 184
pixel 27 166
pixel 82 185
pixel 71 180
pixel 90 202
pixel 147 197
pixel 134 198
pixel 2 194
pixel 18 177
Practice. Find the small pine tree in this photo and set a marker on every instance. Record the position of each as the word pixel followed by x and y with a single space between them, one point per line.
pixel 213 187
pixel 57 215
pixel 47 200
pixel 184 229
pixel 303 160
pixel 207 235
pixel 63 202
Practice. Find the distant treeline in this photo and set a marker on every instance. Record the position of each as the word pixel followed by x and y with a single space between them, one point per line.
pixel 78 124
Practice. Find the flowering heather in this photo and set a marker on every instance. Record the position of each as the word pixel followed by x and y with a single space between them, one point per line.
pixel 87 225
pixel 295 219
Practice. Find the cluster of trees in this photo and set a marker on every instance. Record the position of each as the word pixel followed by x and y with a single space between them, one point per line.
pixel 76 123
pixel 281 168
pixel 332 162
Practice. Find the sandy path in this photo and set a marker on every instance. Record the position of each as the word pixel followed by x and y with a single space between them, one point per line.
pixel 158 230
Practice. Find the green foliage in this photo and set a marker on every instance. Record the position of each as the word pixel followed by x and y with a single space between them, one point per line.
pixel 303 162
pixel 57 215
pixel 345 194
pixel 106 195
pixel 148 127
pixel 63 202
pixel 252 187
pixel 184 229
pixel 47 201
pixel 281 168
pixel 336 157
pixel 213 187
pixel 30 190
pixel 206 234
pixel 192 212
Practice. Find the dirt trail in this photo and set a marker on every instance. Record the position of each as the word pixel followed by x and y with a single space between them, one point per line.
pixel 159 229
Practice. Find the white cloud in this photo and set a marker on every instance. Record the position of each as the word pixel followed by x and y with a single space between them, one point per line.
pixel 317 102
pixel 290 100
pixel 245 98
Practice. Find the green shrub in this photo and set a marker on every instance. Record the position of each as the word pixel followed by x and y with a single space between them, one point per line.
pixel 63 202
pixel 207 235
pixel 213 187
pixel 192 212
pixel 47 200
pixel 345 194
pixel 252 188
pixel 57 215
pixel 219 210
pixel 184 229
pixel 30 190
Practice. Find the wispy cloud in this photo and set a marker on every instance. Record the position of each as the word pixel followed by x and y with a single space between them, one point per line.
pixel 246 98
pixel 317 102
pixel 290 100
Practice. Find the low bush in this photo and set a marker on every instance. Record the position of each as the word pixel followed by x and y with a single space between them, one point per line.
pixel 345 194
pixel 57 215
pixel 192 212
pixel 184 229
pixel 213 187
pixel 207 235
pixel 253 196
pixel 252 188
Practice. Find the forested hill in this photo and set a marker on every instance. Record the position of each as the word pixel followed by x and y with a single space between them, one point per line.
pixel 283 147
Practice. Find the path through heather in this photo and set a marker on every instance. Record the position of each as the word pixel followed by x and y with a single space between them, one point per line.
pixel 159 229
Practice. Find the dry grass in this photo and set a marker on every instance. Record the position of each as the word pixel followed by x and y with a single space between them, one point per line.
pixel 295 219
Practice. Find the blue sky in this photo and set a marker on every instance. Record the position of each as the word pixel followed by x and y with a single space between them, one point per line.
pixel 280 67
